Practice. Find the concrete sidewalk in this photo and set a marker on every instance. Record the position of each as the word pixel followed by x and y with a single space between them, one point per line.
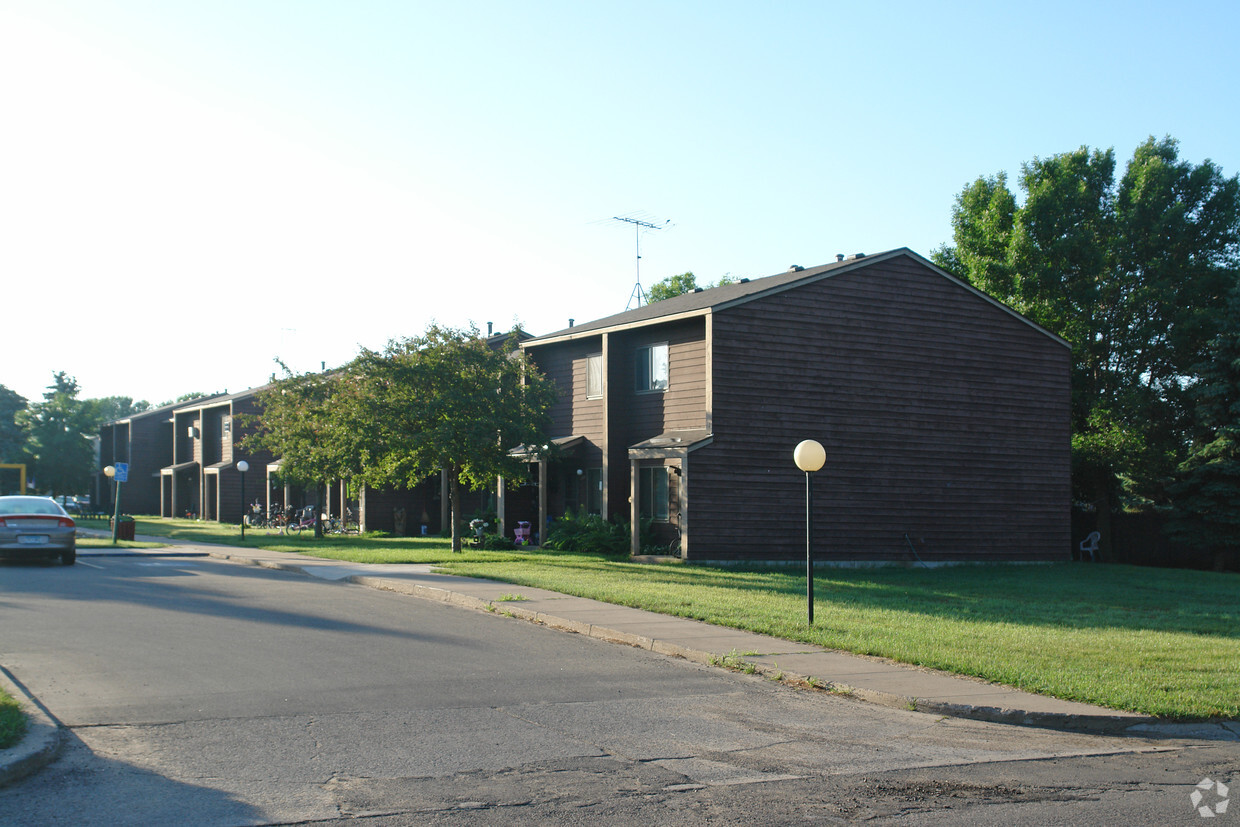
pixel 868 679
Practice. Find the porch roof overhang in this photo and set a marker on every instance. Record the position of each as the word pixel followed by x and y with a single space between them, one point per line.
pixel 562 444
pixel 169 470
pixel 274 465
pixel 215 468
pixel 671 444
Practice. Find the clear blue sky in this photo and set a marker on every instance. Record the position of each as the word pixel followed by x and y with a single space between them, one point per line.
pixel 200 187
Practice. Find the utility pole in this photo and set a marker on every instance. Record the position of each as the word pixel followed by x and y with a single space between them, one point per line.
pixel 639 294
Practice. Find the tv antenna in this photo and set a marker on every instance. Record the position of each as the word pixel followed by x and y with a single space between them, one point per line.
pixel 639 294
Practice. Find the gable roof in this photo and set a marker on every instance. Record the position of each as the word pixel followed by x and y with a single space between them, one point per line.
pixel 708 300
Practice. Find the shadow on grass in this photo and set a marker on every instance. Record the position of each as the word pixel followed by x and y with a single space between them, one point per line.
pixel 1069 595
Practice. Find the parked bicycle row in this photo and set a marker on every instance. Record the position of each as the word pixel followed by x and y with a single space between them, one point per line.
pixel 293 521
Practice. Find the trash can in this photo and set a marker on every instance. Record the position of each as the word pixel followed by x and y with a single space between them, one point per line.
pixel 124 530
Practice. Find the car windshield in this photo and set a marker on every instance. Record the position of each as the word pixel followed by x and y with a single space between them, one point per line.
pixel 30 505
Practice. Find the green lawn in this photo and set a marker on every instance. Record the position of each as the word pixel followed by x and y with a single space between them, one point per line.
pixel 1157 641
pixel 12 721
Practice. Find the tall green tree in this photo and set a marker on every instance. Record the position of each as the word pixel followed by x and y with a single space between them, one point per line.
pixel 445 400
pixel 13 436
pixel 310 422
pixel 60 427
pixel 1206 491
pixel 1133 273
pixel 111 408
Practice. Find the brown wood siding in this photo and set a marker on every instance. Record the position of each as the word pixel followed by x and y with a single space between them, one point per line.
pixel 640 416
pixel 944 418
pixel 565 365
pixel 682 405
pixel 150 449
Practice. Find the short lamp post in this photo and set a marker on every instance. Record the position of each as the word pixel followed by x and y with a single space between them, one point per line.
pixel 243 466
pixel 110 472
pixel 809 456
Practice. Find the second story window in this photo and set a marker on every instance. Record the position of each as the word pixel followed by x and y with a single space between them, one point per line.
pixel 651 368
pixel 594 376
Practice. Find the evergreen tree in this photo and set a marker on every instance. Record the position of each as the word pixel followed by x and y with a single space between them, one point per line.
pixel 60 429
pixel 1206 491
pixel 13 437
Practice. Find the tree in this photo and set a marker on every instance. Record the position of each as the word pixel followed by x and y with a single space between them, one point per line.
pixel 672 286
pixel 1206 491
pixel 678 285
pixel 111 408
pixel 13 434
pixel 59 425
pixel 1134 275
pixel 188 397
pixel 445 400
pixel 310 422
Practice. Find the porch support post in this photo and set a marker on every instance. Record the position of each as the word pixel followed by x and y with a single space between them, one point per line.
pixel 542 500
pixel 499 506
pixel 683 518
pixel 635 518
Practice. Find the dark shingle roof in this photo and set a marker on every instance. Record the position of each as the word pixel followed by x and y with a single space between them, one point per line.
pixel 713 297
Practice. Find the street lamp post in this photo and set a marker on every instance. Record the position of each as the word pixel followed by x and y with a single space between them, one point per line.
pixel 809 456
pixel 243 466
pixel 110 472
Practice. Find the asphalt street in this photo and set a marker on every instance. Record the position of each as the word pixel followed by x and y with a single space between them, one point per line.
pixel 199 691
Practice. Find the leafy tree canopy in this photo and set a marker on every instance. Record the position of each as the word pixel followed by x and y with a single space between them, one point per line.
pixel 672 286
pixel 1133 273
pixel 309 422
pixel 445 400
pixel 442 400
pixel 59 429
pixel 110 408
pixel 13 435
pixel 1206 491
pixel 680 284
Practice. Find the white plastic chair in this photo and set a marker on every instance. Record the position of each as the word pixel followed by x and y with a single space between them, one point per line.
pixel 1090 545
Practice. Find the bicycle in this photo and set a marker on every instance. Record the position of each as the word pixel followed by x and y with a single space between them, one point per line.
pixel 306 520
pixel 346 525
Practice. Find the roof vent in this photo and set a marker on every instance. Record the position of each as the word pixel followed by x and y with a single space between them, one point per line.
pixel 697 290
pixel 855 256
pixel 745 281
pixel 839 256
pixel 796 268
pixel 571 321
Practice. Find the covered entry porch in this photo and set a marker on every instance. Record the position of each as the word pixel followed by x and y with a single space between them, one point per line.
pixel 563 476
pixel 659 489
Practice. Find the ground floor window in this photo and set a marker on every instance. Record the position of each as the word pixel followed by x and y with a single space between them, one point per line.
pixel 652 492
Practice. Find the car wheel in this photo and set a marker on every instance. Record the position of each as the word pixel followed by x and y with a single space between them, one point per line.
pixel 69 557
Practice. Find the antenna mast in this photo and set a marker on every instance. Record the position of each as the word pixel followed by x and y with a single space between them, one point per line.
pixel 639 294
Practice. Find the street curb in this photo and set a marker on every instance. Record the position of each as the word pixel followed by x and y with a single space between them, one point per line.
pixel 40 745
pixel 1119 724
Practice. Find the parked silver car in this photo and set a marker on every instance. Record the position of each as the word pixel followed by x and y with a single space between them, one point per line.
pixel 33 528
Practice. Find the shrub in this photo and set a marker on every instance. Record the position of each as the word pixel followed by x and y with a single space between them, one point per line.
pixel 589 533
pixel 494 542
